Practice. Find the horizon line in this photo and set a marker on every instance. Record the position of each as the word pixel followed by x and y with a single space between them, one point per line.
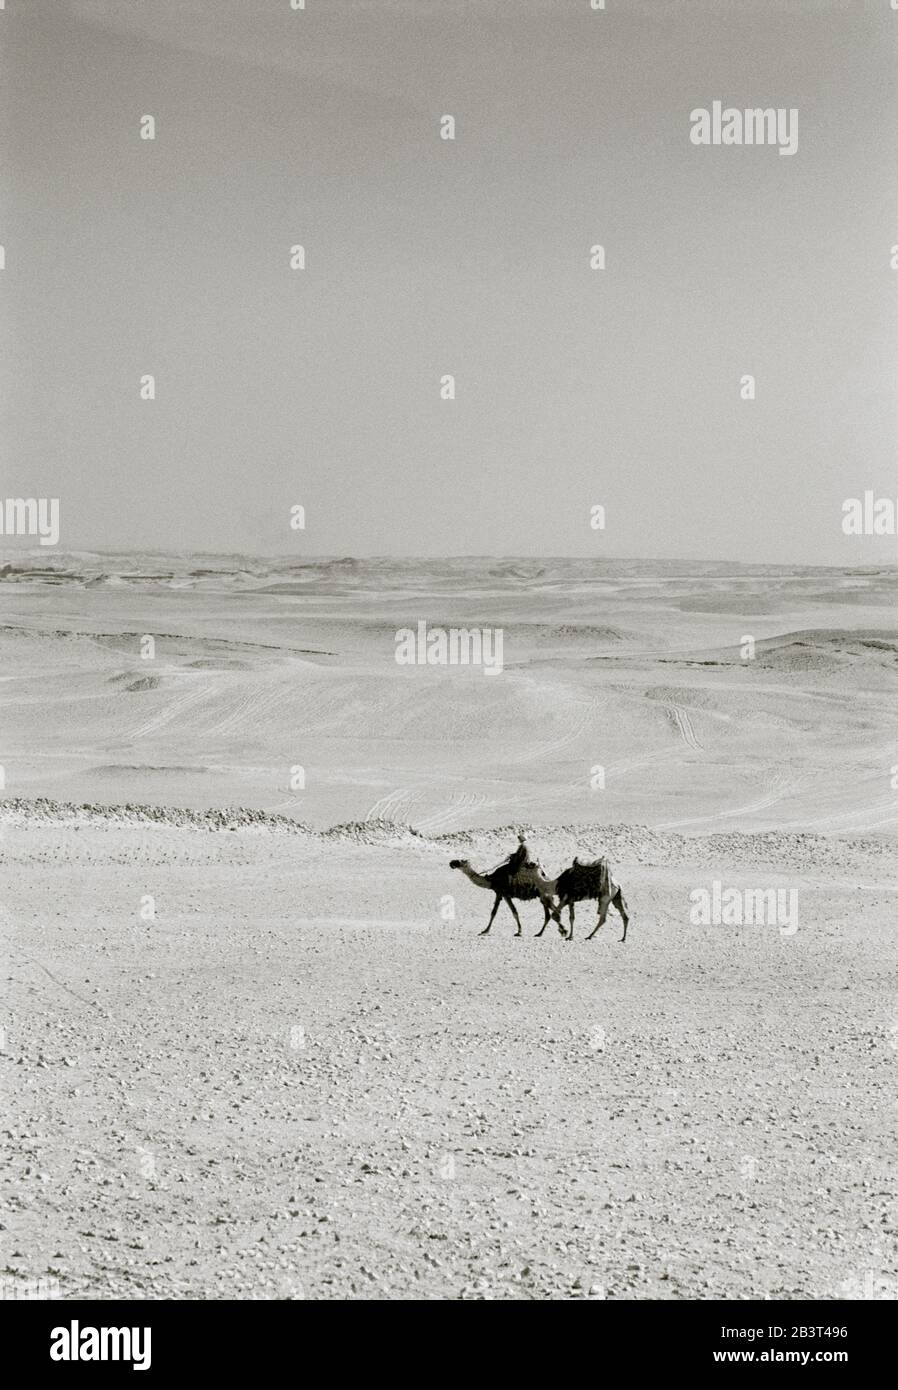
pixel 45 553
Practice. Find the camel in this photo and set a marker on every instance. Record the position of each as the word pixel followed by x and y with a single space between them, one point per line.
pixel 519 877
pixel 582 882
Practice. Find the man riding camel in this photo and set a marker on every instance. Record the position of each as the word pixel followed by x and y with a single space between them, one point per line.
pixel 522 865
pixel 521 856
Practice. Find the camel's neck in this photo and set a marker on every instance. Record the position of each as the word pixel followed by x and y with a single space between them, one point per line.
pixel 480 879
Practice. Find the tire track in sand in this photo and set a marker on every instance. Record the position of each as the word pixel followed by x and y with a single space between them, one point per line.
pixel 460 805
pixel 683 722
pixel 176 707
pixel 394 806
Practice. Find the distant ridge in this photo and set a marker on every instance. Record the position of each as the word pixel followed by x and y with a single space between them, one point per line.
pixel 196 570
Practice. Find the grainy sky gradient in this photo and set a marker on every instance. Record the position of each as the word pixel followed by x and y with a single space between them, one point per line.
pixel 425 257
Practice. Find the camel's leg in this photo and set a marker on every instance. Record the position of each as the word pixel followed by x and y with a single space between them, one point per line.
pixel 514 913
pixel 551 911
pixel 548 913
pixel 604 904
pixel 620 903
pixel 492 915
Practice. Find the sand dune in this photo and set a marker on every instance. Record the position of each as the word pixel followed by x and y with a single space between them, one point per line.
pixel 257 684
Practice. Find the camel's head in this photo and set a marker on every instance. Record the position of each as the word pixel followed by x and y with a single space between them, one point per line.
pixel 458 864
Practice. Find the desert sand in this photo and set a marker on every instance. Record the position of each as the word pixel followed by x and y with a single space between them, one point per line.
pixel 254 1044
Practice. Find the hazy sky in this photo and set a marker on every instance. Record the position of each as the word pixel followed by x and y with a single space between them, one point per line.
pixel 574 387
